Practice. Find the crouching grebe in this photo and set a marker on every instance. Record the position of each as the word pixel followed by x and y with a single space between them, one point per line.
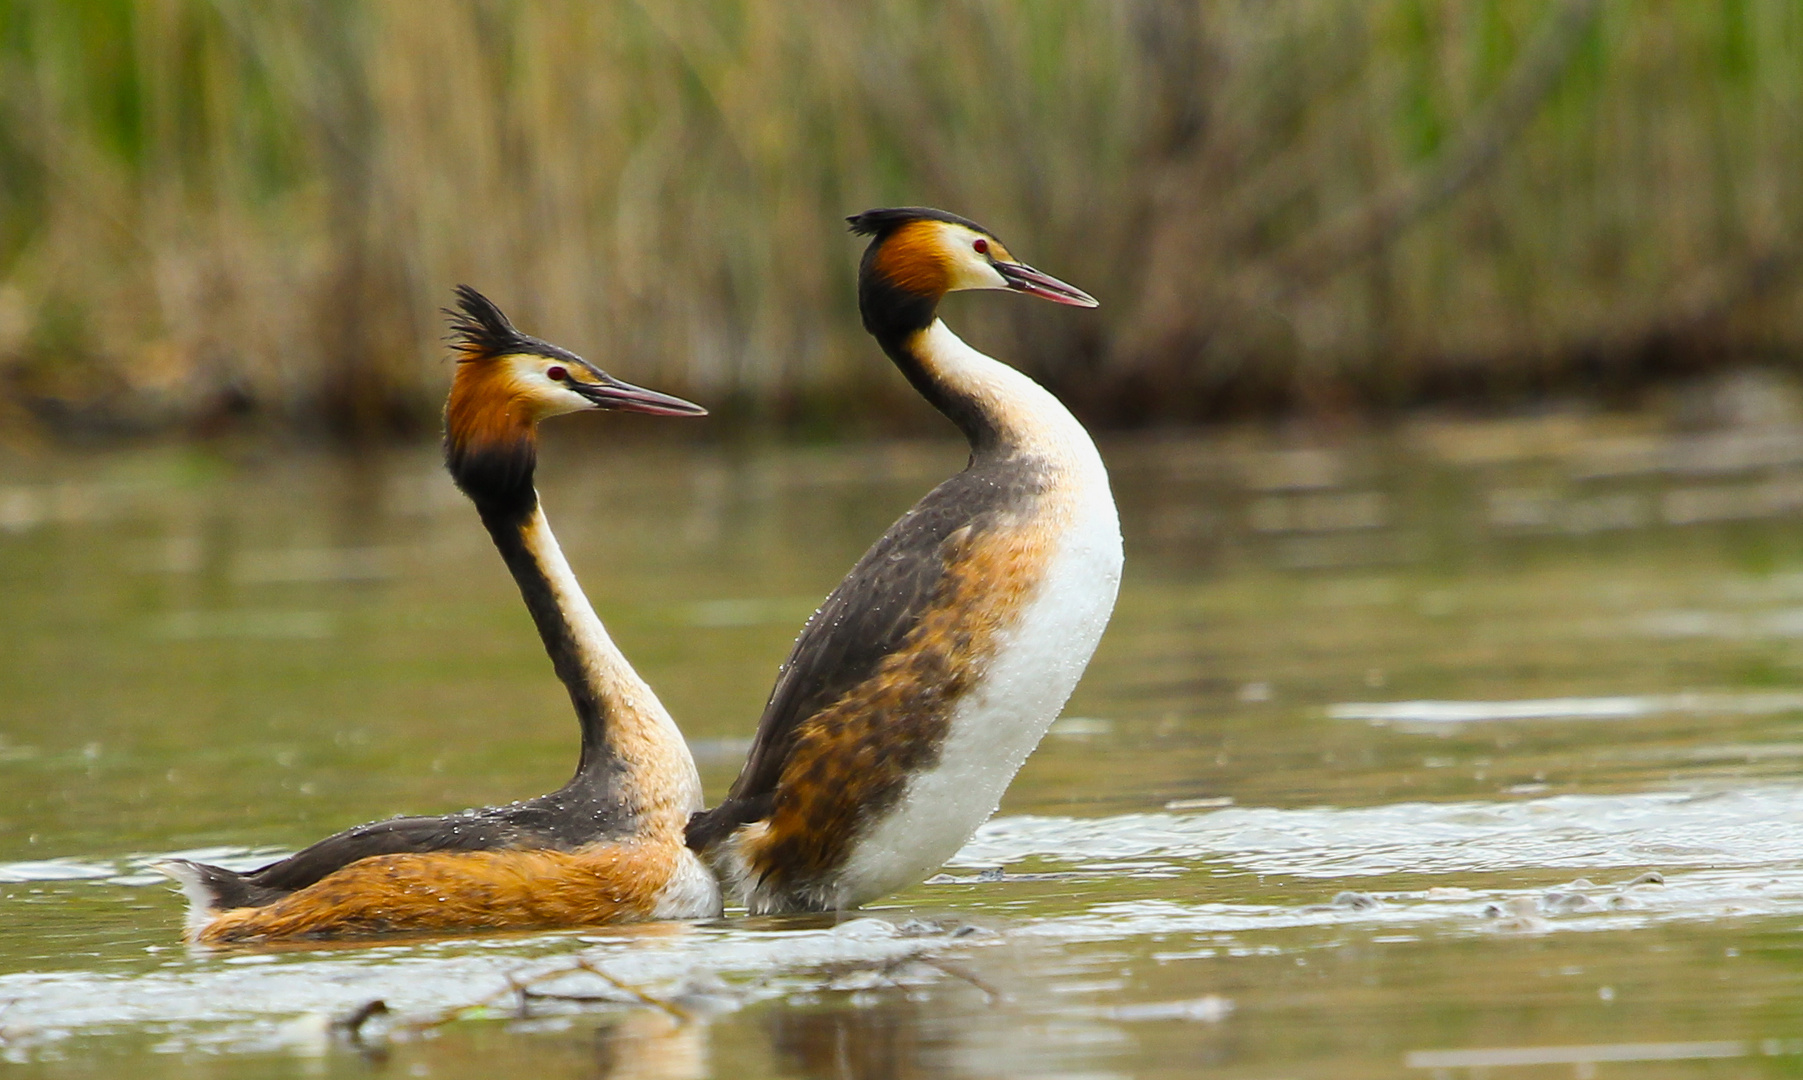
pixel 914 694
pixel 605 847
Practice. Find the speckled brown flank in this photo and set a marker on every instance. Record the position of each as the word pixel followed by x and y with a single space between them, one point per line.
pixel 852 759
pixel 477 890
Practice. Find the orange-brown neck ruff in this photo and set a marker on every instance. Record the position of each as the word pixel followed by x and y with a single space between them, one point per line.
pixel 912 259
pixel 903 276
pixel 491 439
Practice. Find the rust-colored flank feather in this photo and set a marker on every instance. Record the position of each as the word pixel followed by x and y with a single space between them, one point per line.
pixel 852 758
pixel 461 891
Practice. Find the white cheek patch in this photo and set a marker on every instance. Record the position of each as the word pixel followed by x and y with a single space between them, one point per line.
pixel 547 397
pixel 563 400
pixel 966 267
pixel 974 271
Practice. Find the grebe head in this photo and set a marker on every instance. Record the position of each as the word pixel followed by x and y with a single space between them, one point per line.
pixel 507 382
pixel 535 379
pixel 923 254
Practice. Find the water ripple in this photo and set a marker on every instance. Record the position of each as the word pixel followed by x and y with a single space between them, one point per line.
pixel 1722 856
pixel 1747 827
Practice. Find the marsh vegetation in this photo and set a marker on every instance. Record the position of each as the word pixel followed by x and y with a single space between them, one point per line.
pixel 210 211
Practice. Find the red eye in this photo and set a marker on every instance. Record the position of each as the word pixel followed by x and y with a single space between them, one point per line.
pixel 981 245
pixel 556 373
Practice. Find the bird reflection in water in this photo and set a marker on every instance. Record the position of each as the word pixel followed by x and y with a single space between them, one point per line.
pixel 888 1040
pixel 651 1044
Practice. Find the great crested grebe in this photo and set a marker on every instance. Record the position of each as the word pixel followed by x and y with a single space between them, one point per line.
pixel 605 847
pixel 914 694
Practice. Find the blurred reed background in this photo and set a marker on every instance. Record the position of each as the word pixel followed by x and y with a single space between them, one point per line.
pixel 212 211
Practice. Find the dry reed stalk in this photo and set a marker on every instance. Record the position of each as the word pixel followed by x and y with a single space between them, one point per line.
pixel 208 206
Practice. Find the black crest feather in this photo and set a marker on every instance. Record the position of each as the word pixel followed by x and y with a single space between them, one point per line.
pixel 481 329
pixel 881 223
pixel 483 332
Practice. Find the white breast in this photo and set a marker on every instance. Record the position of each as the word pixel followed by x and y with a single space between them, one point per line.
pixel 691 892
pixel 1001 719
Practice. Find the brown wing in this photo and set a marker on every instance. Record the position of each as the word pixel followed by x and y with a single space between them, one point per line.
pixel 863 620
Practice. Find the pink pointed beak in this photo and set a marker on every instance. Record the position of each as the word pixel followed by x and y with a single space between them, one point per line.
pixel 611 393
pixel 1023 278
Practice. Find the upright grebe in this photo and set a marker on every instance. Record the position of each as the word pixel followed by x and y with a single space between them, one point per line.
pixel 914 694
pixel 605 847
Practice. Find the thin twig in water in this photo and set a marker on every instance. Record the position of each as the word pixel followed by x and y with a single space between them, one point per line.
pixel 888 967
pixel 516 988
pixel 522 996
pixel 580 999
pixel 673 1009
pixel 958 971
pixel 352 1024
pixel 521 989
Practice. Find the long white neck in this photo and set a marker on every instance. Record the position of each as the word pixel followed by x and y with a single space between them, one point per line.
pixel 626 730
pixel 1023 416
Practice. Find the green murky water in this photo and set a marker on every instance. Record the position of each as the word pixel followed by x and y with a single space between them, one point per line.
pixel 1466 750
